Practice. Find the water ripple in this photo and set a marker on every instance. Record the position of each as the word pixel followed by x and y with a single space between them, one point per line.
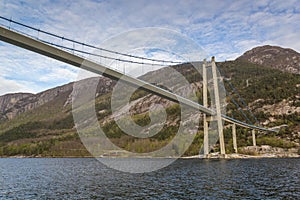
pixel 86 178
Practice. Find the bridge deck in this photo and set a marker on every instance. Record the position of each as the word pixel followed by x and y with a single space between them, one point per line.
pixel 31 44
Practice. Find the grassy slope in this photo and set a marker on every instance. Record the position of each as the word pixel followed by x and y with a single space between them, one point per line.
pixel 49 129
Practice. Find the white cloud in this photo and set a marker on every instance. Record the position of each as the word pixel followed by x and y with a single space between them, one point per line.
pixel 59 74
pixel 12 86
pixel 245 45
pixel 30 71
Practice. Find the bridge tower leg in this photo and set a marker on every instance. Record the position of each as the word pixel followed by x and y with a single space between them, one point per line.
pixel 205 104
pixel 253 137
pixel 234 138
pixel 218 106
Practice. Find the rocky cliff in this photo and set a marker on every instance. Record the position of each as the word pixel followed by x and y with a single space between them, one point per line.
pixel 276 57
pixel 11 105
pixel 8 101
pixel 14 104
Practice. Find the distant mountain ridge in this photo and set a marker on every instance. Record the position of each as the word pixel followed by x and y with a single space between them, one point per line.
pixel 11 105
pixel 8 101
pixel 276 57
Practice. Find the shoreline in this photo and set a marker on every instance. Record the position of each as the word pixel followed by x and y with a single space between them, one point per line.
pixel 243 156
pixel 211 156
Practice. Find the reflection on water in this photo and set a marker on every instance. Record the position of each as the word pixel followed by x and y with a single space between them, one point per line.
pixel 86 178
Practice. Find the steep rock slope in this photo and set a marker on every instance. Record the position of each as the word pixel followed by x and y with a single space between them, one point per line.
pixel 276 57
pixel 8 101
pixel 11 105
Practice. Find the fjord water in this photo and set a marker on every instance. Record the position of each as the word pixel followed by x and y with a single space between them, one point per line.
pixel 86 178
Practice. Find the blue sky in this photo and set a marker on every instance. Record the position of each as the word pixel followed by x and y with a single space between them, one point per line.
pixel 224 28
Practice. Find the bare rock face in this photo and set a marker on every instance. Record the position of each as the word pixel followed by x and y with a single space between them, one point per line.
pixel 105 85
pixel 8 101
pixel 12 105
pixel 284 107
pixel 283 59
pixel 15 104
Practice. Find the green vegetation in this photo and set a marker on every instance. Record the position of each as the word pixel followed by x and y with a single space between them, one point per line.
pixel 138 94
pixel 263 83
pixel 274 142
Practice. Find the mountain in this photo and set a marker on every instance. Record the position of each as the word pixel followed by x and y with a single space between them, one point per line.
pixel 42 124
pixel 8 102
pixel 276 57
pixel 12 105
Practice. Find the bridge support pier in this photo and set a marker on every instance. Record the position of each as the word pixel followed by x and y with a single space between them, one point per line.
pixel 253 137
pixel 234 138
pixel 205 104
pixel 218 106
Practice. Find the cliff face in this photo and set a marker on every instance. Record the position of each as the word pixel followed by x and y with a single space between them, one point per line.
pixel 11 105
pixel 283 59
pixel 8 101
pixel 15 104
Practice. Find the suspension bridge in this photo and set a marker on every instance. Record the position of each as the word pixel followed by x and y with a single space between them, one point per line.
pixel 75 57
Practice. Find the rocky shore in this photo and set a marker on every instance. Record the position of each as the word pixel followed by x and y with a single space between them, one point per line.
pixel 243 156
pixel 263 151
